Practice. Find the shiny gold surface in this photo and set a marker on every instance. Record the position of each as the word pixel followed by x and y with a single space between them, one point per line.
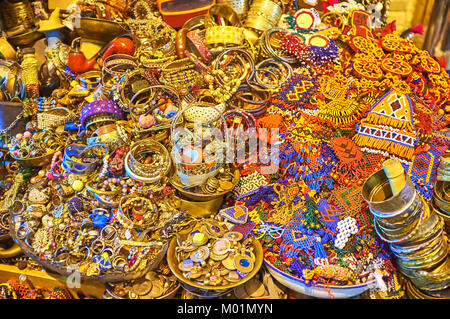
pixel 26 39
pixel 437 279
pixel 224 11
pixel 201 209
pixel 99 30
pixel 13 251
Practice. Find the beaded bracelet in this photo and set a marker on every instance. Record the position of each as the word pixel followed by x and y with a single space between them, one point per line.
pixel 144 204
pixel 74 165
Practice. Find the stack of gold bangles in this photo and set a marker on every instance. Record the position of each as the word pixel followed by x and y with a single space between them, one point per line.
pixel 272 73
pixel 253 99
pixel 223 27
pixel 114 67
pixel 271 47
pixel 148 161
pixel 236 63
pixel 263 15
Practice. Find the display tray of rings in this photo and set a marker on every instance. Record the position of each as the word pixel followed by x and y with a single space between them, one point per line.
pixel 117 276
pixel 112 249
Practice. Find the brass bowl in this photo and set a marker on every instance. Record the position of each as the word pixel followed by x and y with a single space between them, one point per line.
pixel 39 161
pixel 173 264
pixel 12 251
pixel 26 39
pixel 200 209
pixel 318 290
pixel 200 197
pixel 99 30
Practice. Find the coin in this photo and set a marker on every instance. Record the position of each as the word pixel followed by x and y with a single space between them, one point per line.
pixel 229 262
pixel 151 275
pixel 157 290
pixel 221 246
pixel 226 185
pixel 194 275
pixel 223 271
pixel 186 265
pixel 215 257
pixel 132 295
pixel 233 236
pixel 200 255
pixel 232 276
pixel 215 229
pixel 243 263
pixel 251 255
pixel 199 238
pixel 142 287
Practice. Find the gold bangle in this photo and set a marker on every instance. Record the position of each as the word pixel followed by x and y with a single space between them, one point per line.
pixel 180 43
pixel 224 35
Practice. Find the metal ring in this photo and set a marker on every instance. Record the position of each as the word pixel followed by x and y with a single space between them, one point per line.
pixel 95 249
pixel 108 237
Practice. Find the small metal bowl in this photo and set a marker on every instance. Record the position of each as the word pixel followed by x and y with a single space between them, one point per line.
pixel 39 161
pixel 99 30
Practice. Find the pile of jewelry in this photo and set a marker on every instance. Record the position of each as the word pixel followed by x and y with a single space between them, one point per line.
pixel 76 232
pixel 32 145
pixel 212 254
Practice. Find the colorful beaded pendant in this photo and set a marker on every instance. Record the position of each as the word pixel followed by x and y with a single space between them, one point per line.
pixel 236 214
pixel 422 170
pixel 295 92
pixel 388 128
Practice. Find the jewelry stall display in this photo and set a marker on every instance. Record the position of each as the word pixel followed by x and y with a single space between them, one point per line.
pixel 248 143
